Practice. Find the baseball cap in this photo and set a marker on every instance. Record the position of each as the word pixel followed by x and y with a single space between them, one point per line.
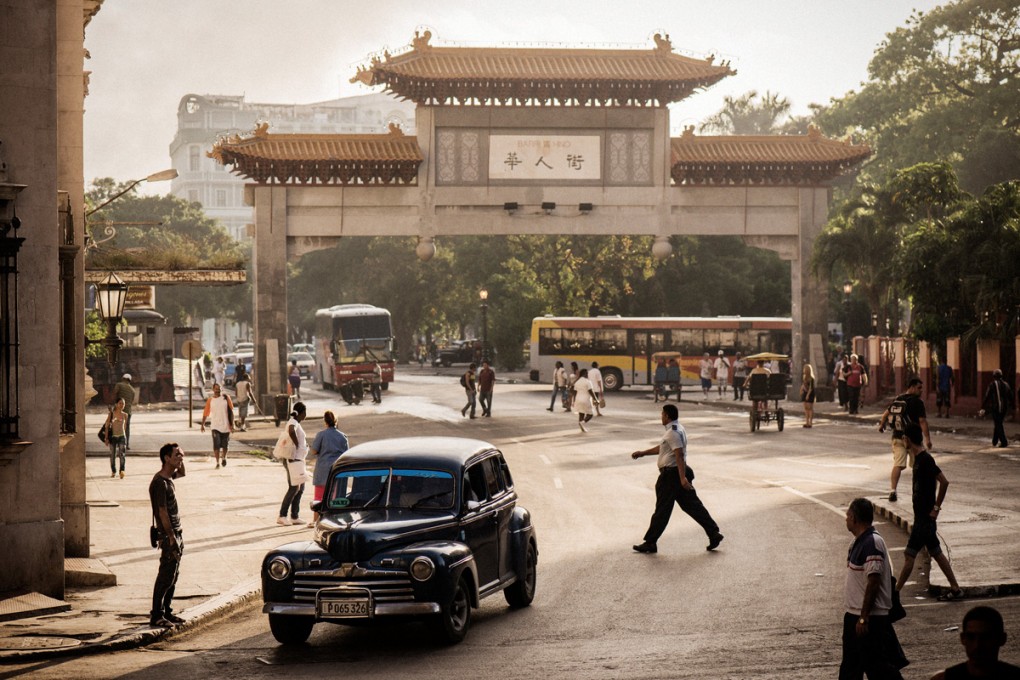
pixel 127 376
pixel 721 352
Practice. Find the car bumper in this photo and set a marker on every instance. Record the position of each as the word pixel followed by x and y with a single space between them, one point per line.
pixel 381 609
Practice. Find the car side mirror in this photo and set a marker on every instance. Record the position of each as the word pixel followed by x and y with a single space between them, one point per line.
pixel 316 506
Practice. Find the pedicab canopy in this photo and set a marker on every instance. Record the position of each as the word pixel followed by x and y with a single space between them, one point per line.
pixel 767 356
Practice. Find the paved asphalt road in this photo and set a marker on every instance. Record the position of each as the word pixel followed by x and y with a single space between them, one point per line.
pixel 767 604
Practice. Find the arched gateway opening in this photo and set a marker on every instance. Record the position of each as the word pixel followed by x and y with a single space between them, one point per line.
pixel 535 141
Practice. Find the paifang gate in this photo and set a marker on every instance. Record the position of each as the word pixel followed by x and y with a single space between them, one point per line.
pixel 535 141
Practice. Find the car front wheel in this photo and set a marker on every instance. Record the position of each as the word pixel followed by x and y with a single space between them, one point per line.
pixel 522 592
pixel 456 615
pixel 290 630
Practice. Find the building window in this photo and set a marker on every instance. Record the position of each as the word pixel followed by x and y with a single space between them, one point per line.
pixel 221 198
pixel 10 244
pixel 193 196
pixel 194 160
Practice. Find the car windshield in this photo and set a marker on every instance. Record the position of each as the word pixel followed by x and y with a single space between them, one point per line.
pixel 300 356
pixel 396 488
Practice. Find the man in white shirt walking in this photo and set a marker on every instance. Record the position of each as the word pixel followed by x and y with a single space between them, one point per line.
pixel 220 412
pixel 595 378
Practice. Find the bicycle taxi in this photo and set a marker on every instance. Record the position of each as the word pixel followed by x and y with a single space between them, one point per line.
pixel 766 390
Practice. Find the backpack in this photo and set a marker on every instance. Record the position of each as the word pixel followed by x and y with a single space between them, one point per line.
pixel 463 380
pixel 898 413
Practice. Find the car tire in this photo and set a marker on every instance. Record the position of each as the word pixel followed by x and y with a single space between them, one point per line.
pixel 522 592
pixel 456 614
pixel 291 630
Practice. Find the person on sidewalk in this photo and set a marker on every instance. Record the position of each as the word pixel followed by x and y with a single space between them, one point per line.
pixel 219 410
pixel 124 390
pixel 294 379
pixel 595 378
pixel 998 403
pixel 870 644
pixel 467 381
pixel 839 376
pixel 722 373
pixel 167 520
pixel 943 387
pixel 982 635
pixel 559 386
pixel 906 409
pixel 674 485
pixel 116 438
pixel 705 371
pixel 327 447
pixel 739 377
pixel 245 396
pixel 295 467
pixel 486 381
pixel 584 397
pixel 807 394
pixel 673 379
pixel 376 385
pixel 856 378
pixel 927 505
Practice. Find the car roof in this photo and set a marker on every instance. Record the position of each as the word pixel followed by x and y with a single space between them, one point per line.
pixel 430 452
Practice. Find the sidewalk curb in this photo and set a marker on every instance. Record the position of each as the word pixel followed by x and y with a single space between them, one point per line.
pixel 196 617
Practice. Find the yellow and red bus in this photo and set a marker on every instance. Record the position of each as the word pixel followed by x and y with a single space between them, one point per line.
pixel 623 346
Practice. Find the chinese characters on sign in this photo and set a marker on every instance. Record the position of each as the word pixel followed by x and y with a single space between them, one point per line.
pixel 557 157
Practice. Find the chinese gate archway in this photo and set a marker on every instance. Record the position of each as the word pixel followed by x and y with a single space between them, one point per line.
pixel 505 133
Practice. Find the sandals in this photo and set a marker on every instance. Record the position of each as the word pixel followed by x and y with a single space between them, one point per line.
pixel 951 595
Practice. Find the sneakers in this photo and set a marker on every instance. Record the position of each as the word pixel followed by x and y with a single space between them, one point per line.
pixel 295 521
pixel 224 462
pixel 583 428
pixel 113 474
pixel 122 474
pixel 173 618
pixel 714 542
pixel 646 547
pixel 217 465
pixel 161 622
pixel 892 496
pixel 283 521
pixel 951 595
pixel 549 409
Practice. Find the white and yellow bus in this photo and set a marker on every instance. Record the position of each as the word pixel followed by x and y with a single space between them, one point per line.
pixel 623 346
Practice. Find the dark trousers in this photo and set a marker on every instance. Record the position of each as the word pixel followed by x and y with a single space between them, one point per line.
pixel 377 392
pixel 999 433
pixel 668 491
pixel 738 387
pixel 841 390
pixel 854 398
pixel 485 401
pixel 166 579
pixel 292 501
pixel 556 392
pixel 877 654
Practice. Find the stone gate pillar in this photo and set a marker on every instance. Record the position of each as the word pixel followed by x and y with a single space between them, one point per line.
pixel 269 288
pixel 808 296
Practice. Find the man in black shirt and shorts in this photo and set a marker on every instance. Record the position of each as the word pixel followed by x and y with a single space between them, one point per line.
pixel 927 506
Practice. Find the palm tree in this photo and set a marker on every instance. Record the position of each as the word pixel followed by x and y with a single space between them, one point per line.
pixel 748 115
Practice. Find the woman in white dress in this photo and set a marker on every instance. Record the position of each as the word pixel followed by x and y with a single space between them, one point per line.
pixel 584 393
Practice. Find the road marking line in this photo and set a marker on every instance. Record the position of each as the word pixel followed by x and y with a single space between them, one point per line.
pixel 544 458
pixel 795 492
pixel 557 482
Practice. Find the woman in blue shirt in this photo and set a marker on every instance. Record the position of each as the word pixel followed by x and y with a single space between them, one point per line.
pixel 328 446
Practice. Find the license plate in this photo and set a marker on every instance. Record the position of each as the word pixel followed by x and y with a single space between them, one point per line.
pixel 343 609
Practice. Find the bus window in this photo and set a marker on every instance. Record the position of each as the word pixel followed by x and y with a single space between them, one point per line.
pixel 688 341
pixel 610 341
pixel 550 340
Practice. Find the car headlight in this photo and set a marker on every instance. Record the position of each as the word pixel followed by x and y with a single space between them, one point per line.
pixel 279 568
pixel 422 569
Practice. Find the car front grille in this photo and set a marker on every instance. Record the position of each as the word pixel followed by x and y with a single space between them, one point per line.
pixel 384 586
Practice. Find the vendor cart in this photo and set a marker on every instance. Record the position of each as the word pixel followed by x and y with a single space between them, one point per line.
pixel 766 390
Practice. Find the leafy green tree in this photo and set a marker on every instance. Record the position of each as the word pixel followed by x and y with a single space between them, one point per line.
pixel 748 114
pixel 944 87
pixel 169 233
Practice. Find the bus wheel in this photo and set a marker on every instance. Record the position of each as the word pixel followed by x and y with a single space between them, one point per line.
pixel 612 379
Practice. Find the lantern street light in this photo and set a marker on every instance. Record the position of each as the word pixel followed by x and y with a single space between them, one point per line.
pixel 161 176
pixel 111 293
pixel 848 288
pixel 483 295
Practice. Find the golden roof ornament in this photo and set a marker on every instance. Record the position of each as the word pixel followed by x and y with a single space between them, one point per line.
pixel 421 42
pixel 662 43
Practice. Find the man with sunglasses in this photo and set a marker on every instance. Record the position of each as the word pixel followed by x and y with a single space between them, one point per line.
pixel 167 520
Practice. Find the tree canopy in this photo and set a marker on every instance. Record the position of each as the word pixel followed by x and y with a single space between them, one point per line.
pixel 944 87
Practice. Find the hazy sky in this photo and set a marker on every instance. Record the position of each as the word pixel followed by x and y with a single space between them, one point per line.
pixel 147 54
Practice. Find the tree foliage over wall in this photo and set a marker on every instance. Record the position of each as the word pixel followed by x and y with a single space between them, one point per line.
pixel 178 236
pixel 944 87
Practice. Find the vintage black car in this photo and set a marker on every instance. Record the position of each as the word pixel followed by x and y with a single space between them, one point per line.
pixel 418 528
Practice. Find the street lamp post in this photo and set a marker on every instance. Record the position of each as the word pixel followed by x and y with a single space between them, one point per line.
pixel 111 294
pixel 483 295
pixel 848 288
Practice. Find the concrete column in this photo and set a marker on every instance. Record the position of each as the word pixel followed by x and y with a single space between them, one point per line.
pixel 953 361
pixel 924 371
pixel 899 365
pixel 987 363
pixel 269 288
pixel 808 295
pixel 71 179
